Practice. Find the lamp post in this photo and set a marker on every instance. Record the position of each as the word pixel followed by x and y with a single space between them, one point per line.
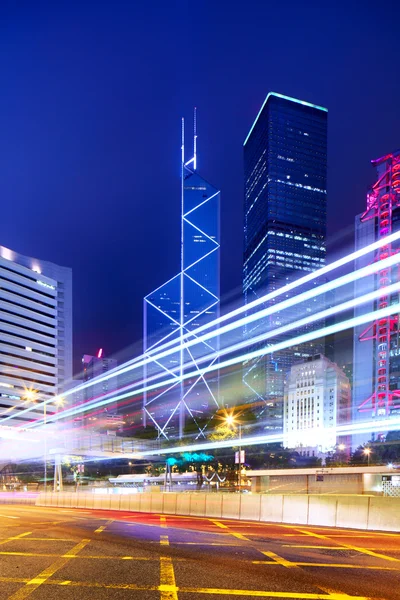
pixel 230 420
pixel 367 451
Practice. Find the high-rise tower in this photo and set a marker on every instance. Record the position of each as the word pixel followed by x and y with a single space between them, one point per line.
pixel 175 309
pixel 285 168
pixel 35 336
pixel 376 388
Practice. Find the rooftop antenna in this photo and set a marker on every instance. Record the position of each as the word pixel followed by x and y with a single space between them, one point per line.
pixel 183 140
pixel 195 138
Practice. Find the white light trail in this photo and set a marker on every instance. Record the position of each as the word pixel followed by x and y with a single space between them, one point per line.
pixel 142 360
pixel 301 339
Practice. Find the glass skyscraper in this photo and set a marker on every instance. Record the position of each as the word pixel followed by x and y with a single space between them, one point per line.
pixel 285 169
pixel 174 310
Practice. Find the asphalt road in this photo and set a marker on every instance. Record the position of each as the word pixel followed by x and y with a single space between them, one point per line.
pixel 69 554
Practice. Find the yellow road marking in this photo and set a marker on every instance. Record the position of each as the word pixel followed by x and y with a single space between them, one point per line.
pixel 163 522
pixel 240 536
pixel 167 585
pixel 219 524
pixel 217 591
pixel 37 581
pixel 332 565
pixel 102 528
pixel 15 537
pixel 351 547
pixel 90 556
pixel 313 534
pixel 262 594
pixel 279 559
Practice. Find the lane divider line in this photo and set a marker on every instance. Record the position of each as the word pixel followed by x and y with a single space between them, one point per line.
pixel 102 527
pixel 37 581
pixel 167 587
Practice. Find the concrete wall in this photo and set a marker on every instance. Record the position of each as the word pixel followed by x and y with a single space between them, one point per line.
pixel 353 511
pixel 328 483
pixel 18 497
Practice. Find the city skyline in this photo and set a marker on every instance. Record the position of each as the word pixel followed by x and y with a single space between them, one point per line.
pixel 89 121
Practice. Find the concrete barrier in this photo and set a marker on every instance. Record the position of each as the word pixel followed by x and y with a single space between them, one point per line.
pixel 354 512
pixel 156 503
pixel 295 509
pixel 198 505
pixel 214 505
pixel 89 501
pixel 135 503
pixel 250 507
pixel 231 506
pixel 271 508
pixel 170 503
pixel 115 500
pixel 384 514
pixel 124 504
pixel 183 504
pixel 322 510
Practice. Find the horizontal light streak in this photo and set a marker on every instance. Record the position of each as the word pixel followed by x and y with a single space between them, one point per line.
pixel 138 361
pixel 310 336
pixel 142 360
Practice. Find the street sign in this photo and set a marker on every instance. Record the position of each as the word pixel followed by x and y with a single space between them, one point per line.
pixel 242 457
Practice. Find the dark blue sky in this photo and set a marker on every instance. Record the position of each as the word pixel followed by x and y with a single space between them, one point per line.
pixel 90 105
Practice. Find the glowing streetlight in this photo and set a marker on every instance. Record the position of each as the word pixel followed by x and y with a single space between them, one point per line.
pixel 29 395
pixel 367 452
pixel 230 420
pixel 341 447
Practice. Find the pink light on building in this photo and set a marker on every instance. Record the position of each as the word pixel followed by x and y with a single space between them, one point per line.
pixel 381 201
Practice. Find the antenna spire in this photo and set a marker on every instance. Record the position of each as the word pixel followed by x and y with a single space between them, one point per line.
pixel 183 140
pixel 195 138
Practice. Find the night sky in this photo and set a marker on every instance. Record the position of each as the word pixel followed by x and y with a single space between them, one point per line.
pixel 91 99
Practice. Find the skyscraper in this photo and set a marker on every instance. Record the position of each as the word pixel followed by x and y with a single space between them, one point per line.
pixel 175 309
pixel 35 335
pixel 376 381
pixel 285 168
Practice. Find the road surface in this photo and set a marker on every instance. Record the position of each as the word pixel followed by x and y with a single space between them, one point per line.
pixel 72 554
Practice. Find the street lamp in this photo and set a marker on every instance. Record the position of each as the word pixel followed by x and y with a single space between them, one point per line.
pixel 230 420
pixel 341 447
pixel 367 452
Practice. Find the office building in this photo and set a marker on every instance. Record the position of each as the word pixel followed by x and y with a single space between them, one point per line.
pixel 317 401
pixel 174 310
pixel 35 335
pixel 93 368
pixel 285 169
pixel 376 370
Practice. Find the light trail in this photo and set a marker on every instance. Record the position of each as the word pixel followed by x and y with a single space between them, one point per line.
pixel 140 362
pixel 276 293
pixel 263 337
pixel 350 323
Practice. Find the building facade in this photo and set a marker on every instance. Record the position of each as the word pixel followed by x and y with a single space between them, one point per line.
pixel 285 169
pixel 317 401
pixel 177 308
pixel 376 368
pixel 94 367
pixel 35 335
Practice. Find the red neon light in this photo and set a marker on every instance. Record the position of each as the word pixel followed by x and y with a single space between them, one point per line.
pixel 384 197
